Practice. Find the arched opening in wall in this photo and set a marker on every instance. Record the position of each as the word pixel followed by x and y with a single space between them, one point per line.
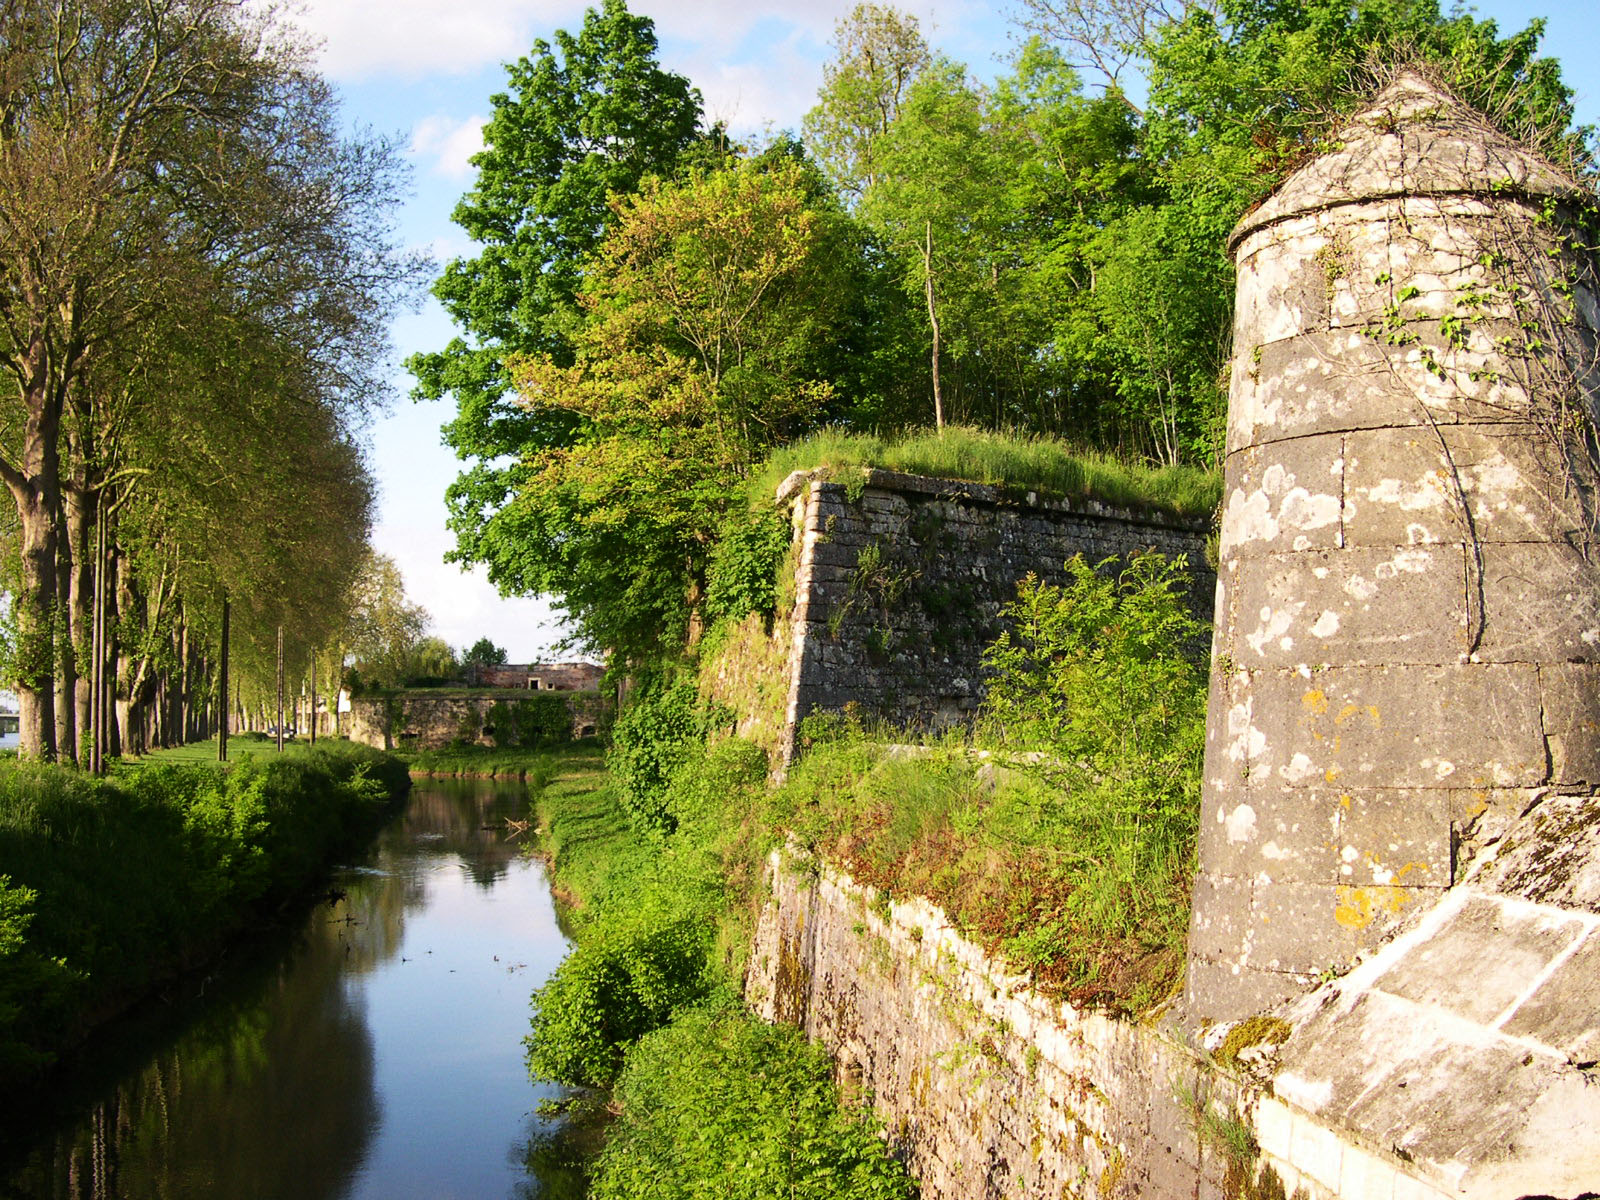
pixel 586 731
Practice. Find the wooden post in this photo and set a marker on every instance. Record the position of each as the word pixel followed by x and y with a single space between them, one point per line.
pixel 313 699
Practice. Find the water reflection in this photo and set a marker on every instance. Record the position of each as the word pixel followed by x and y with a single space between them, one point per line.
pixel 374 1053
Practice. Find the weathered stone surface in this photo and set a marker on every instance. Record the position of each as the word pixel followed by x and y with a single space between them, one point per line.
pixel 1414 140
pixel 1277 834
pixel 1564 1013
pixel 423 722
pixel 1454 1044
pixel 1472 725
pixel 1397 604
pixel 1347 379
pixel 898 592
pixel 1551 855
pixel 1541 604
pixel 1286 498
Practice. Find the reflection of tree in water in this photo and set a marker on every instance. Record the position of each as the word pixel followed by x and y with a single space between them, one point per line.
pixel 557 1155
pixel 467 819
pixel 207 1117
pixel 266 1090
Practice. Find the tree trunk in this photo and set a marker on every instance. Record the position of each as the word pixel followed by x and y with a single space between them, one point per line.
pixel 66 698
pixel 81 528
pixel 222 686
pixel 933 320
pixel 280 689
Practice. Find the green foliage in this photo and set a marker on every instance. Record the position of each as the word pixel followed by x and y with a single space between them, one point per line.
pixel 1071 850
pixel 743 575
pixel 720 1103
pixel 531 721
pixel 663 724
pixel 133 875
pixel 610 991
pixel 483 653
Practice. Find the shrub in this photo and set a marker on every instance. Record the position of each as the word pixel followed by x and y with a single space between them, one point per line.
pixel 611 991
pixel 721 1104
pixel 742 577
pixel 661 727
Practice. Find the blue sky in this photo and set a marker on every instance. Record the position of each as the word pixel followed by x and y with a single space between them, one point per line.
pixel 422 72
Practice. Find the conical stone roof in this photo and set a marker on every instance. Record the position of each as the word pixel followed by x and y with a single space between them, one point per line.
pixel 1414 139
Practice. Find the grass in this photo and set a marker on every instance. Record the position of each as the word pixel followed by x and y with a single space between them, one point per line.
pixel 1019 462
pixel 1060 881
pixel 205 751
pixel 702 1082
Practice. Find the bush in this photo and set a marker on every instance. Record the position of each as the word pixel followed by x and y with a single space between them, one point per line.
pixel 742 577
pixel 540 720
pixel 117 881
pixel 662 726
pixel 721 1104
pixel 608 993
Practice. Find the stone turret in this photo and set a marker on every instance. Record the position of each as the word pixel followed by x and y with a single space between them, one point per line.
pixel 1408 606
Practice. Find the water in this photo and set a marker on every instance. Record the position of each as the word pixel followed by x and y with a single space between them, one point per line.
pixel 375 1051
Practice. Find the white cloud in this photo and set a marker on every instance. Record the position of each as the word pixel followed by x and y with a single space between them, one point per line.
pixel 366 38
pixel 449 143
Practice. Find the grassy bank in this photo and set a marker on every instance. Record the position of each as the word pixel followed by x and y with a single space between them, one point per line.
pixel 1017 462
pixel 109 885
pixel 646 1007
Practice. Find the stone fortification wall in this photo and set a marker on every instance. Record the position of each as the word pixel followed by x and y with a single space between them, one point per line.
pixel 547 677
pixel 415 721
pixel 899 584
pixel 1407 644
pixel 989 1089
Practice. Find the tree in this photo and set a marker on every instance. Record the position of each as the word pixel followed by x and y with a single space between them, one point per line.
pixel 581 121
pixel 164 162
pixel 935 197
pixel 878 53
pixel 383 627
pixel 707 304
pixel 483 653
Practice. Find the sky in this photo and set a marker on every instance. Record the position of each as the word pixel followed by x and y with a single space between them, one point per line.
pixel 422 72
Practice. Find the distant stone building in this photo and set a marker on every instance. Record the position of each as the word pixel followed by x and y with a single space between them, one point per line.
pixel 538 677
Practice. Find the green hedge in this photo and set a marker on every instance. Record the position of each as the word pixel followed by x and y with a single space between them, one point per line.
pixel 108 884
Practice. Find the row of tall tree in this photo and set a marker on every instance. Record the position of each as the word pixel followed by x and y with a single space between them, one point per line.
pixel 654 307
pixel 196 271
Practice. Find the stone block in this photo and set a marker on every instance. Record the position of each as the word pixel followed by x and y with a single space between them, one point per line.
pixel 1282 499
pixel 1569 700
pixel 1275 834
pixel 1397 604
pixel 1541 603
pixel 1318 1152
pixel 1218 991
pixel 1365 1175
pixel 1344 380
pixel 1461 725
pixel 1221 916
pixel 1393 837
pixel 1564 1013
pixel 1296 928
pixel 1506 945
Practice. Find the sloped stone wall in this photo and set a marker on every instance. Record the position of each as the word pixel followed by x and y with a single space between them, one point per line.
pixel 899 585
pixel 988 1089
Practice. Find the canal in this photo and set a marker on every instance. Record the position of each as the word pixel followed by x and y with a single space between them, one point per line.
pixel 373 1050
